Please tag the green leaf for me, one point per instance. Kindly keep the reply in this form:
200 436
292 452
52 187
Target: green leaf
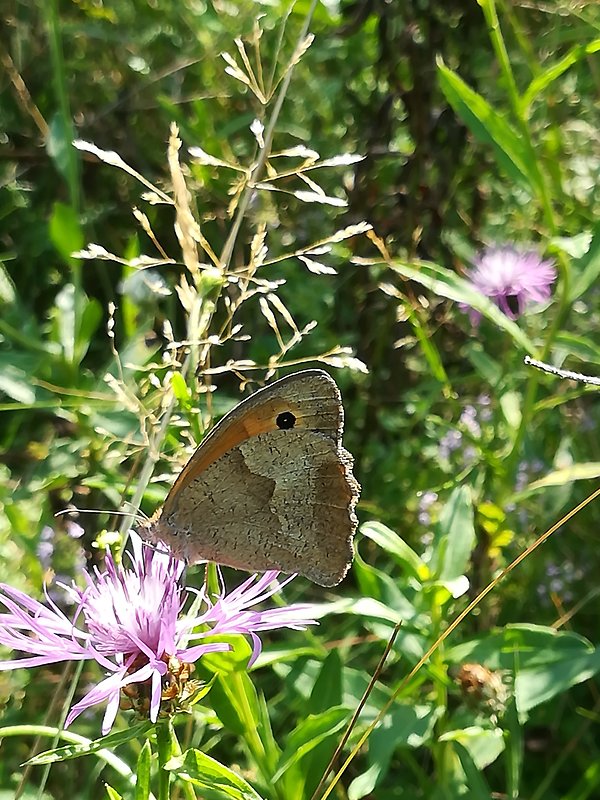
560 671
487 367
510 405
235 702
478 788
74 330
88 746
233 660
448 284
142 783
16 384
430 351
489 127
215 781
484 745
554 71
89 320
545 662
181 389
64 315
389 541
403 726
368 608
575 246
327 691
58 144
443 591
7 287
578 346
520 646
561 477
65 230
455 536
272 654
587 268
314 729
112 793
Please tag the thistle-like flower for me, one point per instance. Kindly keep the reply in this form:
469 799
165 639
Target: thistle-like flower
512 278
135 628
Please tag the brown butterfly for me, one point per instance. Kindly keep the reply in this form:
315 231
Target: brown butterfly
270 487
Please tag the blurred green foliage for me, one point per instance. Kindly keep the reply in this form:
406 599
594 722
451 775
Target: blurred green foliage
474 130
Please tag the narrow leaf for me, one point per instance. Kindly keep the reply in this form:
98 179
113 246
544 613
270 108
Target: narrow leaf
587 268
215 781
554 71
574 472
87 746
488 126
448 284
142 782
309 733
393 544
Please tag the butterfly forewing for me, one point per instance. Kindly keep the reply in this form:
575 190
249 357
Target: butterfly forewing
270 487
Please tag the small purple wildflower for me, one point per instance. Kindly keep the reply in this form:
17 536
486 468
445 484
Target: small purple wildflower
426 500
526 471
468 418
74 530
561 580
512 278
135 629
449 442
459 445
45 546
484 401
469 455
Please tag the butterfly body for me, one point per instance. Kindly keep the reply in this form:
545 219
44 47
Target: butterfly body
270 487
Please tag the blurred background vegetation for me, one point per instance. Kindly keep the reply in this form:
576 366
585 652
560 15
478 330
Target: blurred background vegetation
442 403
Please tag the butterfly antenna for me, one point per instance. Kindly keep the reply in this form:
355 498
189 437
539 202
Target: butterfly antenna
137 513
562 373
138 516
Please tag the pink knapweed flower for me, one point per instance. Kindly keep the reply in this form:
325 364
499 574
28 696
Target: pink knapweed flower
132 622
512 278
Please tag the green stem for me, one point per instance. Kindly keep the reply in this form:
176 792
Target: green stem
67 132
164 746
541 189
264 153
60 86
252 737
68 699
441 749
171 749
28 342
225 258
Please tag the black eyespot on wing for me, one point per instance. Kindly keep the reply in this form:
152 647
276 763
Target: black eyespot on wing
285 420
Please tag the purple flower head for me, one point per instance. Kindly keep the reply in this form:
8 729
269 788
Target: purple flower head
131 621
511 278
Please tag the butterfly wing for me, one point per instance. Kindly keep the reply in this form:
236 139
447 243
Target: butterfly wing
271 487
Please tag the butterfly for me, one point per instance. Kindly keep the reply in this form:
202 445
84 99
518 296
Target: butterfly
270 487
